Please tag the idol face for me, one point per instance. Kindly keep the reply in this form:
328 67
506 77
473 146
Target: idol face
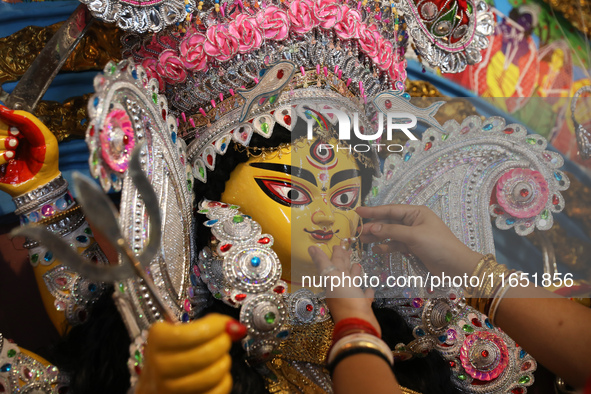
302 195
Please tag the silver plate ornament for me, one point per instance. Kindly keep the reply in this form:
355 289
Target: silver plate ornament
127 110
141 17
449 36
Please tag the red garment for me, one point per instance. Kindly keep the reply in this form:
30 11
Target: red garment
588 386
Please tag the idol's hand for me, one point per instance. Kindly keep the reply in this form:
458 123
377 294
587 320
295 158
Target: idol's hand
417 230
343 301
190 358
28 152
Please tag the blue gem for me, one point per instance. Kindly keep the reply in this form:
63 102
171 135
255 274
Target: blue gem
83 122
61 204
34 217
406 96
134 74
255 261
557 176
420 332
211 222
92 287
6 368
407 156
82 239
488 324
308 115
442 338
510 221
487 127
522 353
194 280
48 256
25 219
283 334
223 147
96 101
113 178
185 317
173 137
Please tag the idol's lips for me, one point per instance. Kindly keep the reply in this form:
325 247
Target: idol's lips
321 235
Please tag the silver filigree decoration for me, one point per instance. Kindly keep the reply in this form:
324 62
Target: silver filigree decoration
582 134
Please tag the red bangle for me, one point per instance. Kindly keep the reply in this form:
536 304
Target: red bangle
351 325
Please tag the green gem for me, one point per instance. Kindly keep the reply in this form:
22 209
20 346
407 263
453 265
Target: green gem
524 380
444 137
138 356
155 98
203 210
374 191
270 317
265 127
113 68
462 376
34 258
122 287
189 184
531 141
272 99
217 296
88 231
234 207
11 353
468 328
202 172
448 316
238 219
95 158
544 214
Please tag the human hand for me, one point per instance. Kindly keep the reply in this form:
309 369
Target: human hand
28 152
190 358
344 301
418 230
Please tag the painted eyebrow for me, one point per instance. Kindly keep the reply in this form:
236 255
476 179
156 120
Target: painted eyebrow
287 169
343 176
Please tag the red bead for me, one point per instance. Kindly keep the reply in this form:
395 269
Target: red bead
498 211
476 322
279 290
163 114
524 192
484 353
280 74
138 370
213 204
61 281
517 390
224 206
388 104
526 365
555 200
91 132
452 364
508 130
126 139
428 145
452 296
287 120
309 307
210 159
225 247
264 240
240 297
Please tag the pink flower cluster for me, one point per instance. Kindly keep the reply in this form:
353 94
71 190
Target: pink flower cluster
245 34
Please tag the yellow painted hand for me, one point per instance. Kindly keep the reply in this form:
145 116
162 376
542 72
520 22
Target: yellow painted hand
28 152
190 358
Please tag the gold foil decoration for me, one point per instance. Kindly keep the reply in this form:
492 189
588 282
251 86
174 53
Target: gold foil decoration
577 12
65 120
100 44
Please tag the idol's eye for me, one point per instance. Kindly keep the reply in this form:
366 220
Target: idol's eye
284 192
345 198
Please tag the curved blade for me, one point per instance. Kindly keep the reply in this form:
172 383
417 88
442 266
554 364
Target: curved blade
70 257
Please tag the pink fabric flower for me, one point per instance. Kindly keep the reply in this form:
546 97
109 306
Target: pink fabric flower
384 57
301 16
248 32
170 67
328 13
523 193
220 44
274 23
192 52
150 66
368 39
348 26
398 70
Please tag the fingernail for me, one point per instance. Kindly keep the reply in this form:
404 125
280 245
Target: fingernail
9 154
312 251
14 130
376 228
11 142
235 330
